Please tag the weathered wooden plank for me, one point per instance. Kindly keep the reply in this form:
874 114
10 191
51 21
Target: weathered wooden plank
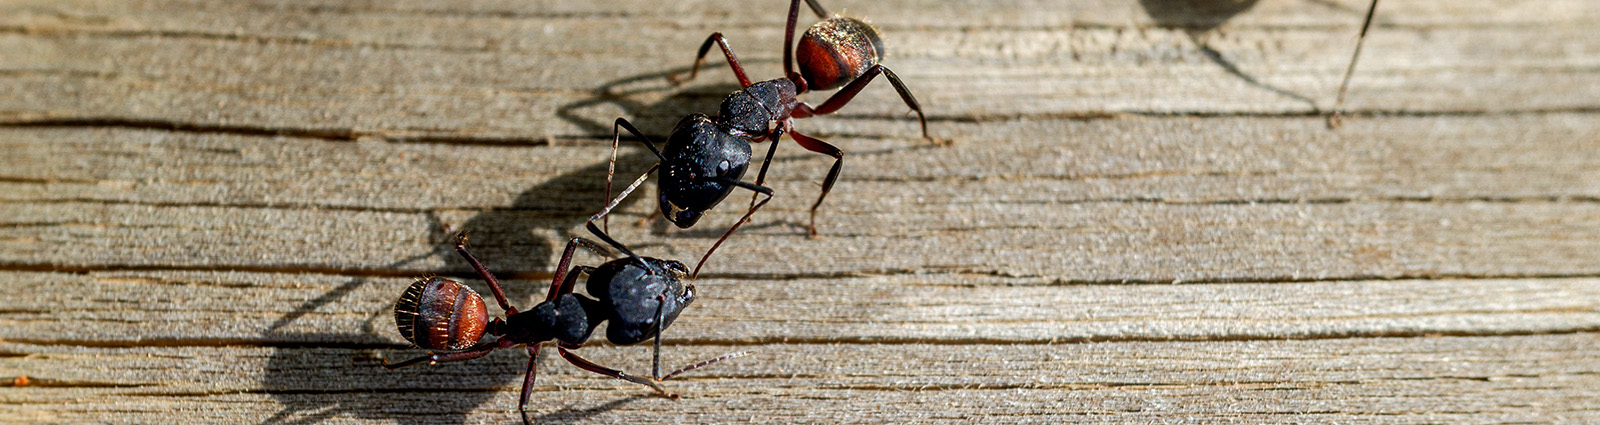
306 77
122 308
168 258
1093 242
1169 159
1128 201
1412 380
198 16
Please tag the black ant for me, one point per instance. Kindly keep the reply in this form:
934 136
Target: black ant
706 156
1337 118
641 296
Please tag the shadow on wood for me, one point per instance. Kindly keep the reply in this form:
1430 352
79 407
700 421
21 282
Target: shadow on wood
510 240
1198 18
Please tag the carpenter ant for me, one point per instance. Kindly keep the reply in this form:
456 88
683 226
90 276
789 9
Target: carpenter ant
641 296
1337 118
706 156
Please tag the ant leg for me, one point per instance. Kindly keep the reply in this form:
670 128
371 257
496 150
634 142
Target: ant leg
473 352
849 92
560 284
625 192
527 381
564 281
821 147
613 242
494 284
761 177
821 13
661 317
655 369
1337 119
788 35
607 211
733 61
760 190
585 364
616 138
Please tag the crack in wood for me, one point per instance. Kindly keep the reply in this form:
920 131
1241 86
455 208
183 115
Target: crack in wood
928 271
846 340
232 37
347 134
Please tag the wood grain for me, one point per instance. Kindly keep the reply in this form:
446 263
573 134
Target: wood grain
207 209
1483 380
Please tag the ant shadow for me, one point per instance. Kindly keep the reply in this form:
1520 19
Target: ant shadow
323 375
1198 19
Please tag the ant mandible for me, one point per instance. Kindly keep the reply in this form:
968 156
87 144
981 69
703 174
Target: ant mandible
705 157
641 296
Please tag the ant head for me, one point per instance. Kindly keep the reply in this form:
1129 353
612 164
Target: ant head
702 161
640 295
440 314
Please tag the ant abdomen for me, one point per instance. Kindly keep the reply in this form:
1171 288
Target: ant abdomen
836 51
440 314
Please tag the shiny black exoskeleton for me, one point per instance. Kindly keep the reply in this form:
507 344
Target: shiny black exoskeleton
706 156
640 296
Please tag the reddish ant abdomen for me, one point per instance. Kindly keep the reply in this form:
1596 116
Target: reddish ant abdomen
836 51
441 314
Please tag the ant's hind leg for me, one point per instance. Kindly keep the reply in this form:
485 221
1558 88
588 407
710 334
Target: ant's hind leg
733 61
474 352
788 33
846 94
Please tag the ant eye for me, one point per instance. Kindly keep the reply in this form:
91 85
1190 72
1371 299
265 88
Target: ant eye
722 168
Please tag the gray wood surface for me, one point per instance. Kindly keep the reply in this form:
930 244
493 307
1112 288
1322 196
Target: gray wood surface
207 210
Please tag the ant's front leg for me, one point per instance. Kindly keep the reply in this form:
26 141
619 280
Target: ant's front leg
759 190
611 168
655 370
773 136
585 364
